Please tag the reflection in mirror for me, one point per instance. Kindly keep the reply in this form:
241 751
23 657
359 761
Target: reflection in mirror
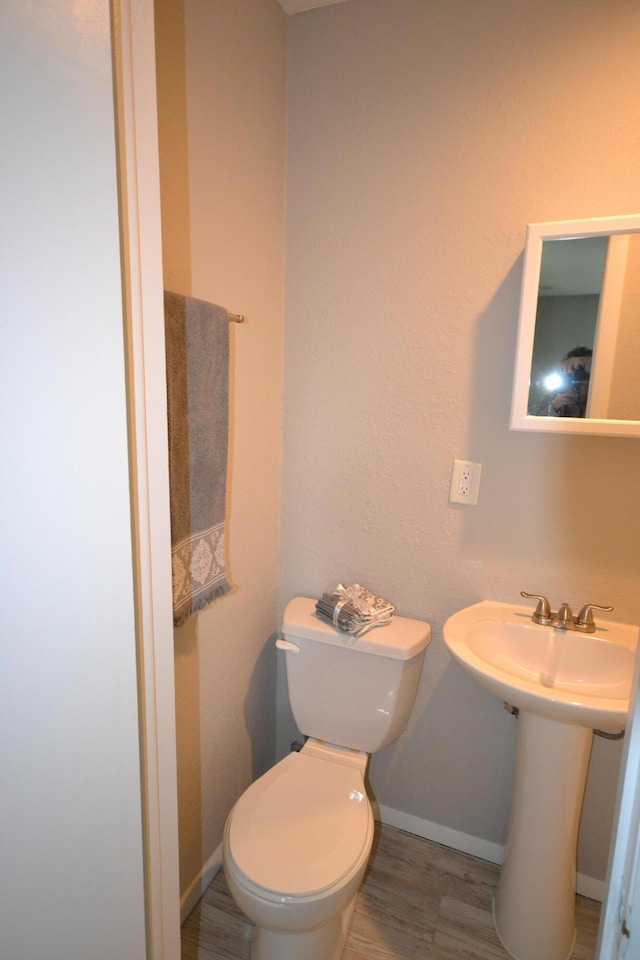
571 274
579 338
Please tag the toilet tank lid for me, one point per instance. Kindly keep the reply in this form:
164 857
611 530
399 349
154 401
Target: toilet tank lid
401 639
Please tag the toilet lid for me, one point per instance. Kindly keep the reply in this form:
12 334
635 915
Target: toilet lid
302 826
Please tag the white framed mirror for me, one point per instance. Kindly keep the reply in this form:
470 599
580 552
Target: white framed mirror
578 353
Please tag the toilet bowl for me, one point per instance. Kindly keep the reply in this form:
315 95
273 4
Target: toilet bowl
297 842
296 846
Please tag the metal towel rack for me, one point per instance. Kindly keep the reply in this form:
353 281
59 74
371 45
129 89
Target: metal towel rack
236 317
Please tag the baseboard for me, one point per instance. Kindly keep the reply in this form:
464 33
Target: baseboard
466 843
196 889
591 888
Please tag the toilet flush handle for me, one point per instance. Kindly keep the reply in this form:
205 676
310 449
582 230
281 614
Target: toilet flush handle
287 645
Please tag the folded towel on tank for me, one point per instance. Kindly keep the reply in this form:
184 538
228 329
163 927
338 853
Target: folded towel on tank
354 609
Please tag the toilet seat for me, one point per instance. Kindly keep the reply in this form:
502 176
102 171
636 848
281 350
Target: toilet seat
301 828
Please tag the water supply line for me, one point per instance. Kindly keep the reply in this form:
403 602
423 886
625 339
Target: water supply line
515 712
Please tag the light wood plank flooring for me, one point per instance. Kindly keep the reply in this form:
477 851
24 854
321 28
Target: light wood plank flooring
419 901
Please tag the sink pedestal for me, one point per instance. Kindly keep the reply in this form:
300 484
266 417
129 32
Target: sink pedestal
564 684
534 907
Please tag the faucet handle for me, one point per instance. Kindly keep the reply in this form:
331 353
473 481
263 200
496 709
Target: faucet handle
542 613
564 616
585 617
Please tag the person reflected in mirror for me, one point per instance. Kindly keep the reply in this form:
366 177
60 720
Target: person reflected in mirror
570 400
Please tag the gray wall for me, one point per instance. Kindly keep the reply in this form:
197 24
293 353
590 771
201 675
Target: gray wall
423 137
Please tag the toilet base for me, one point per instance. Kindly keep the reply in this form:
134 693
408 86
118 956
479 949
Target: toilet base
324 943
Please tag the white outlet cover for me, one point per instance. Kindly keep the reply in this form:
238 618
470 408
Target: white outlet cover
459 490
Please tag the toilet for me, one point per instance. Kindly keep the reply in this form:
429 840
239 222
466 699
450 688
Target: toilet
297 842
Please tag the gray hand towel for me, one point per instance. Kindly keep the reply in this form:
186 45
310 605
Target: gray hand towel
197 353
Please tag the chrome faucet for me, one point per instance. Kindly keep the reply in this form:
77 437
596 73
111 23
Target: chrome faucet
542 613
563 618
584 622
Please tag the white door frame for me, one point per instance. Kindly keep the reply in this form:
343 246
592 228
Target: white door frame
136 101
619 933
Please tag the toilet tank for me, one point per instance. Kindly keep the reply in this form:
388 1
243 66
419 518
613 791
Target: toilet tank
351 691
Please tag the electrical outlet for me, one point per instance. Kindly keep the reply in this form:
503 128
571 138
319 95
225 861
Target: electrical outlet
465 482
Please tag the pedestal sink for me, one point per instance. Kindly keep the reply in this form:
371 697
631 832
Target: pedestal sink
565 684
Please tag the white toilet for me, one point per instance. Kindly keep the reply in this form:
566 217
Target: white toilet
297 842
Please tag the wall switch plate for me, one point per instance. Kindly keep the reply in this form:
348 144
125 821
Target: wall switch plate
465 482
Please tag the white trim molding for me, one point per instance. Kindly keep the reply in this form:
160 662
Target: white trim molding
139 181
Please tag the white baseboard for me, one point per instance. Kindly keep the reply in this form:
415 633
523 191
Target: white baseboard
465 843
590 887
196 889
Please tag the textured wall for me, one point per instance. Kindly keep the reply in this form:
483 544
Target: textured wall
423 137
222 99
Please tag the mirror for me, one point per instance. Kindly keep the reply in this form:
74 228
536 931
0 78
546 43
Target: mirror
578 354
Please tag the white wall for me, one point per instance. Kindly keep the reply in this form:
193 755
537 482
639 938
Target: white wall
222 113
423 137
71 847
625 396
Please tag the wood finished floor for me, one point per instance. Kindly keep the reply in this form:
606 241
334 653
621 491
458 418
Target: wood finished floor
419 901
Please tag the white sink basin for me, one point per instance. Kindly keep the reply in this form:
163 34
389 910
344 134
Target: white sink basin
559 674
